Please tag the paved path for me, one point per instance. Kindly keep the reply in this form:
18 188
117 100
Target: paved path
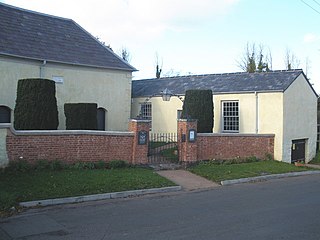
187 180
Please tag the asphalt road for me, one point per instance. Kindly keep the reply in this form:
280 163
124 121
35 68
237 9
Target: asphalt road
277 209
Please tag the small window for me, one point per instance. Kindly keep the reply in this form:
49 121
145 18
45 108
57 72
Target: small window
179 113
146 111
5 114
230 116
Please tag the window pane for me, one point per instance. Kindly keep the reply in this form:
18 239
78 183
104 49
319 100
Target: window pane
146 111
231 116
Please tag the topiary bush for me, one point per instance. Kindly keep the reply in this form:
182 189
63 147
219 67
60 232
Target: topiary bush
81 116
198 105
36 105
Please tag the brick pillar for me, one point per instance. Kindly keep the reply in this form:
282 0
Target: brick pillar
188 151
140 149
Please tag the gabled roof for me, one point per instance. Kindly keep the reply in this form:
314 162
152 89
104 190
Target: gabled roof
38 36
274 81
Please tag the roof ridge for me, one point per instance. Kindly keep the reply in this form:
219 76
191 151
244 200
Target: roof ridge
35 12
220 74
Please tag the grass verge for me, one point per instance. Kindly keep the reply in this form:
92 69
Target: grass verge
16 186
219 172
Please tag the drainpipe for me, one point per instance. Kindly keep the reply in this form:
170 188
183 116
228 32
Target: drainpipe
257 112
42 68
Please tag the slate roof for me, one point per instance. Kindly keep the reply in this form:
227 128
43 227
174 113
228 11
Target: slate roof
274 81
38 36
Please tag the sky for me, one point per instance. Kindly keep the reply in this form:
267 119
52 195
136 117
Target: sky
197 36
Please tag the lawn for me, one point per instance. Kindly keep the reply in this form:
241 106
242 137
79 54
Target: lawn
219 172
44 184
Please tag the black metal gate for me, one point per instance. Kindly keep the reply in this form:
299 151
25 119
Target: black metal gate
163 148
298 150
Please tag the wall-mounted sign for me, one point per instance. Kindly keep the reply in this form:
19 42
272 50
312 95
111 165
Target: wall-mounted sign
142 137
57 79
192 136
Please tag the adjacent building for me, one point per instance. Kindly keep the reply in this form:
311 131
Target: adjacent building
283 103
36 45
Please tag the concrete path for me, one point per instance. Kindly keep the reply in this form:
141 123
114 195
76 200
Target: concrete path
187 180
313 166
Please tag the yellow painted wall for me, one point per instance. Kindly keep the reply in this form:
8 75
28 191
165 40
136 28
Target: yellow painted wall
300 118
246 107
110 89
164 114
270 119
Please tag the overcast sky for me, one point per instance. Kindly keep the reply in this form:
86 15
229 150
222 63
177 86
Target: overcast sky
196 36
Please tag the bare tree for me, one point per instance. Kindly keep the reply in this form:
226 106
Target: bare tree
291 61
125 54
255 60
307 66
158 68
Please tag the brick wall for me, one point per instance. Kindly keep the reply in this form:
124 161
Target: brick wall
69 147
221 146
187 150
75 146
228 146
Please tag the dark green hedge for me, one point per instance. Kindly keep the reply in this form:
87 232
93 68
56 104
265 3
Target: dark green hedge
36 105
198 105
81 116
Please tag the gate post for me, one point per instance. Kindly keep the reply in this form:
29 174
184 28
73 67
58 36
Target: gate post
141 129
187 140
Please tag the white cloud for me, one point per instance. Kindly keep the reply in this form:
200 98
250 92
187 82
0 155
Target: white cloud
310 38
138 20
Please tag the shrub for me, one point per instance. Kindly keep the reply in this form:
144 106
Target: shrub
56 165
83 165
100 165
36 105
198 105
42 164
117 164
81 116
19 166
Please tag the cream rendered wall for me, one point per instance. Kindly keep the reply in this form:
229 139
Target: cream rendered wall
11 71
247 108
110 89
164 114
300 118
270 115
260 113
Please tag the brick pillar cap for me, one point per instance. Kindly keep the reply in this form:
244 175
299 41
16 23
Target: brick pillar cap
140 120
187 120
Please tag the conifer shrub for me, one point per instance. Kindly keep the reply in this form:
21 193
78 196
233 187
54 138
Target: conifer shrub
36 105
81 116
198 105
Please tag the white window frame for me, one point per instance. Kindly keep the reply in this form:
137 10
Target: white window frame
146 110
234 116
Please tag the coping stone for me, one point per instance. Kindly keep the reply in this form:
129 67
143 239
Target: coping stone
267 177
95 197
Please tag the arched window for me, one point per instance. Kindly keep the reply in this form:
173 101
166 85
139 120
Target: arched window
101 118
5 114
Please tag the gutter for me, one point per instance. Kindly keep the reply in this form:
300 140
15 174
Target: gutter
68 63
42 68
